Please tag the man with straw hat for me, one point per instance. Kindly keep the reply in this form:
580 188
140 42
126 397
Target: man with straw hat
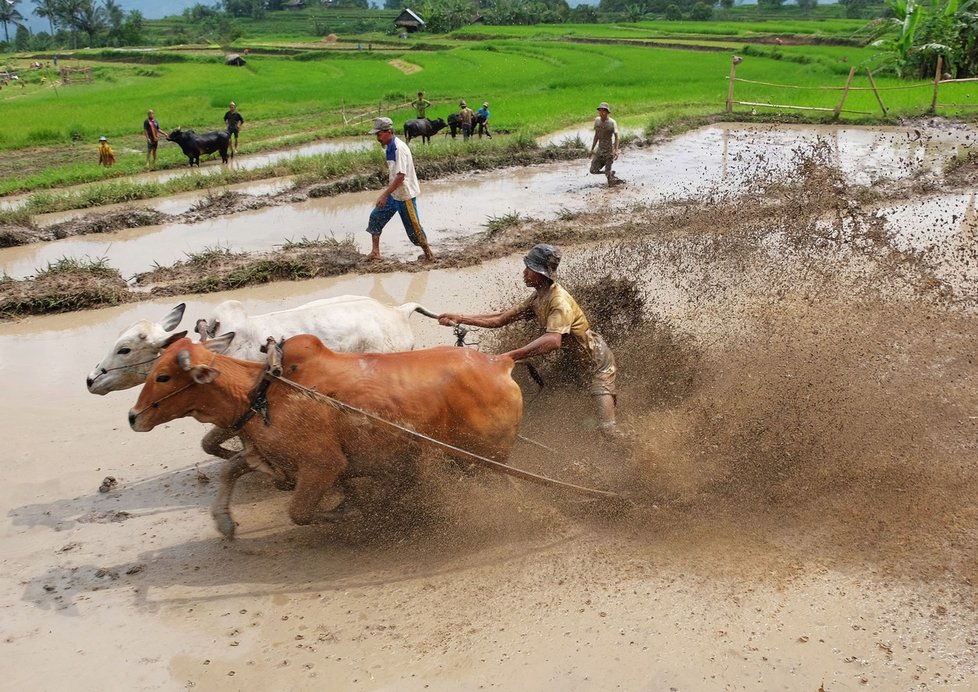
559 315
606 141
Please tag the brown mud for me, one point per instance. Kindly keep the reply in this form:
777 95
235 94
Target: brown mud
800 388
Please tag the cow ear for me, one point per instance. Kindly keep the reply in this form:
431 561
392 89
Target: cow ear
173 318
204 374
219 344
173 338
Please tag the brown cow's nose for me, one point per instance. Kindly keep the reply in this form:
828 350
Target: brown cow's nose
132 419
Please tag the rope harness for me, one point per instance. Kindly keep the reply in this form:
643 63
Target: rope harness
491 464
106 371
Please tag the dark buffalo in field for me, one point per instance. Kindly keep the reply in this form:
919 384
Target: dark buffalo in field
194 145
424 128
454 124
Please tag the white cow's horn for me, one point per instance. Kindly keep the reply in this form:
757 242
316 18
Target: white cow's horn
183 360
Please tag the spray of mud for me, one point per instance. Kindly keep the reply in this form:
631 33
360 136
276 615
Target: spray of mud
800 388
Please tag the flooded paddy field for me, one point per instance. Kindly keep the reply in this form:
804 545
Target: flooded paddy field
798 379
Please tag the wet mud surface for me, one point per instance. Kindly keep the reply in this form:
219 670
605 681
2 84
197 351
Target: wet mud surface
798 382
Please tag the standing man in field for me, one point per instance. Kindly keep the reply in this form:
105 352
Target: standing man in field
401 194
482 119
421 105
151 128
234 121
559 315
606 141
467 118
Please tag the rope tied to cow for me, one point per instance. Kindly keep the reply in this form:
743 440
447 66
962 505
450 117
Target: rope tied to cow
491 464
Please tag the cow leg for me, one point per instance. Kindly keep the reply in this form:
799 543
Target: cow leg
214 439
236 467
313 480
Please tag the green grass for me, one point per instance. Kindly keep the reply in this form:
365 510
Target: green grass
534 86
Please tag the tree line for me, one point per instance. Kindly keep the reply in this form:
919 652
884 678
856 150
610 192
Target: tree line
71 23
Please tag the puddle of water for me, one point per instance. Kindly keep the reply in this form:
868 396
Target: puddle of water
720 157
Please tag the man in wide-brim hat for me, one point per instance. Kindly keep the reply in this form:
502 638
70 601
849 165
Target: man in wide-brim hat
559 315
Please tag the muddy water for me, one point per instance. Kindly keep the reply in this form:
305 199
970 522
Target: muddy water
718 158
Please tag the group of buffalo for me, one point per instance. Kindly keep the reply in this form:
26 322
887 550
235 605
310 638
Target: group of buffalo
195 145
426 128
344 395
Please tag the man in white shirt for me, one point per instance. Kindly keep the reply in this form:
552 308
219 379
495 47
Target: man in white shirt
400 195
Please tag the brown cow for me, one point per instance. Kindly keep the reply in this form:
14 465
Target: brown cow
456 395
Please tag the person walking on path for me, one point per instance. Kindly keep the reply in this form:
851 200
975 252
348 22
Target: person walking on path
151 128
105 156
559 315
234 121
421 105
467 118
401 194
606 141
482 119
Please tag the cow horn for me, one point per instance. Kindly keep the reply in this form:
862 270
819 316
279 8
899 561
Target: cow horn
202 329
183 360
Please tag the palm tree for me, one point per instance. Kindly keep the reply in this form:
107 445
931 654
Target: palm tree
9 14
47 9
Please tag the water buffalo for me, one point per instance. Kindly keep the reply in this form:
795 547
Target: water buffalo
194 145
458 396
454 124
423 128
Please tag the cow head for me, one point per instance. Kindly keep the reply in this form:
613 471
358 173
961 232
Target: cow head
438 124
131 357
169 390
178 135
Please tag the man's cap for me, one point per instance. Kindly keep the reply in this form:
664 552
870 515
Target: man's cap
232 104
103 138
381 124
543 259
485 105
461 103
604 106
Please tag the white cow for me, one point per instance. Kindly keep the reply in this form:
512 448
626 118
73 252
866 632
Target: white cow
131 357
346 323
343 323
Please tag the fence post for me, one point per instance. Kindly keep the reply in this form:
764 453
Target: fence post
937 81
730 87
872 83
845 92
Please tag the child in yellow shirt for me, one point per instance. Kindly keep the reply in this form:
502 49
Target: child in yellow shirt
105 156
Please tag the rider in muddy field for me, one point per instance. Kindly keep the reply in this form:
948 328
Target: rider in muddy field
606 141
558 313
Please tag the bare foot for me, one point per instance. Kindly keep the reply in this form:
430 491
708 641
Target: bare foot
373 256
427 259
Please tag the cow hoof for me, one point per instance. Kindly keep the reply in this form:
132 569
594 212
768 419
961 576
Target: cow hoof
225 525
